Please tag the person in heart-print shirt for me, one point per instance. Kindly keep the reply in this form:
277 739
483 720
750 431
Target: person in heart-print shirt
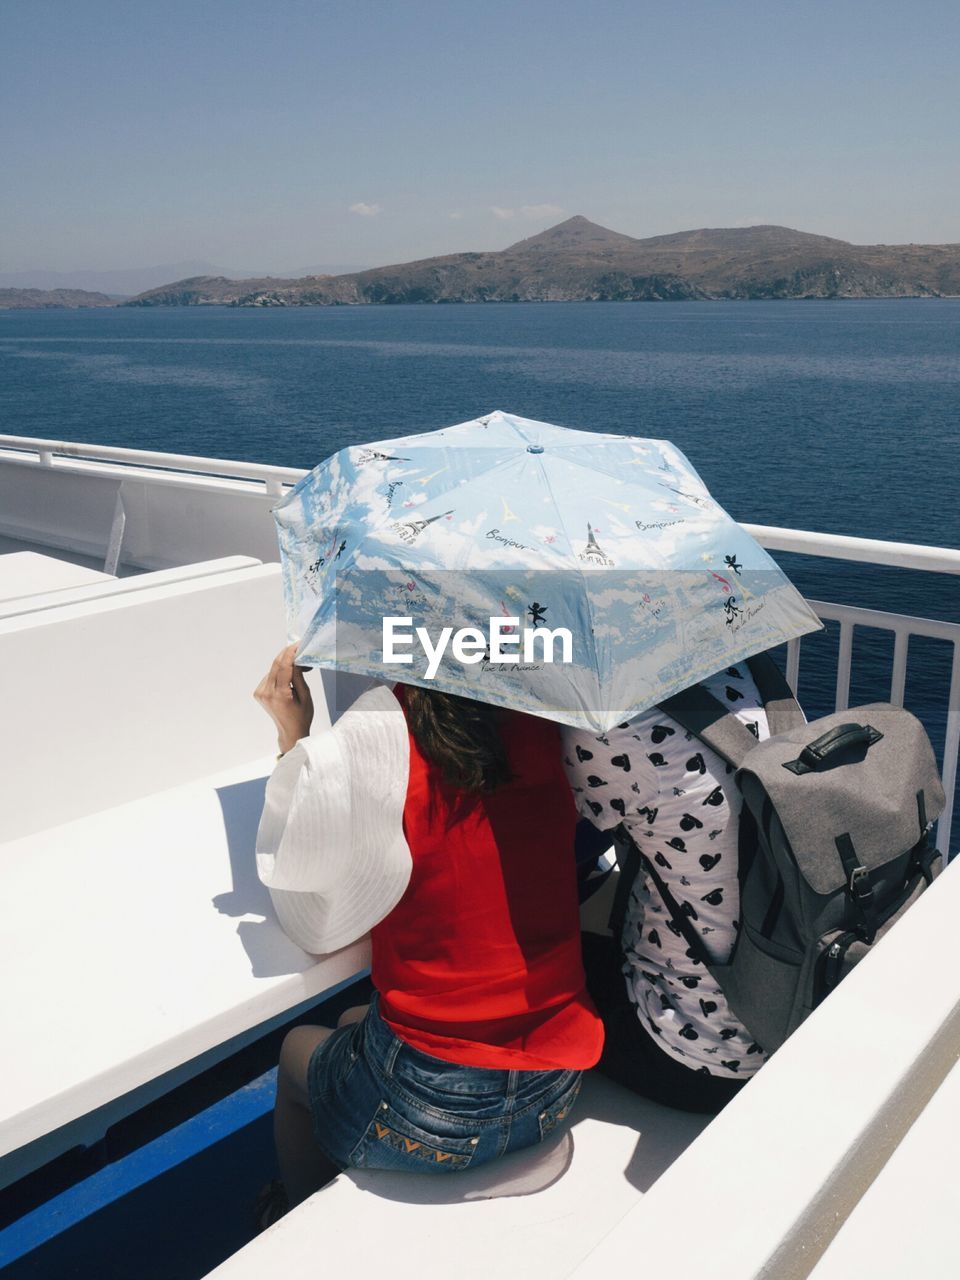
670 1032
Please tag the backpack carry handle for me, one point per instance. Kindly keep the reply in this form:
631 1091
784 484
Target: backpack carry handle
840 738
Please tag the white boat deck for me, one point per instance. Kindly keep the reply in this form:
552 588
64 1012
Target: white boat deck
834 1128
24 574
141 946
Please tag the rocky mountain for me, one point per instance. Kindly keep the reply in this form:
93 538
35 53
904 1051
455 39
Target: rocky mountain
579 261
34 299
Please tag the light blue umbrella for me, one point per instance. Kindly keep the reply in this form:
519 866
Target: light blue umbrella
612 538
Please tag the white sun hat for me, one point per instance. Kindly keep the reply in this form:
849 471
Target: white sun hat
330 847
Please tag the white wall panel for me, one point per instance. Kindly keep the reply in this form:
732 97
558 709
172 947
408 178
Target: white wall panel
106 701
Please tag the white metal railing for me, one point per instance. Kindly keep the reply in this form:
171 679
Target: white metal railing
905 555
836 546
903 627
805 542
273 478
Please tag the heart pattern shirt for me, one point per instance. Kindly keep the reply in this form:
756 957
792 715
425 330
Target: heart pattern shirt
679 802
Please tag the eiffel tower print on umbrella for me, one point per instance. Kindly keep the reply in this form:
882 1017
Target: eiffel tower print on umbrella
410 530
592 550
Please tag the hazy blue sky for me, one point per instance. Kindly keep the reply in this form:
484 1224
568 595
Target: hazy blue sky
275 135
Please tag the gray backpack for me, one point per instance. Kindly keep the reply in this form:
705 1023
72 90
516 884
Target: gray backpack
834 844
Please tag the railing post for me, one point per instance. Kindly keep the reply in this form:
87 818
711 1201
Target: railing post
843 666
904 629
274 487
793 664
46 457
898 678
115 541
951 749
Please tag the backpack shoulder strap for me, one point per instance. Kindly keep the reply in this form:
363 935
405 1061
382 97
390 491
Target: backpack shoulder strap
682 922
628 862
708 719
783 710
631 861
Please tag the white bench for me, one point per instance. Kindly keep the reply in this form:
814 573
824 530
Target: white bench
139 948
137 943
535 1213
760 1192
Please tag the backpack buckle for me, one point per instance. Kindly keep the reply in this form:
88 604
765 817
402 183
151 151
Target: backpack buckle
859 884
858 887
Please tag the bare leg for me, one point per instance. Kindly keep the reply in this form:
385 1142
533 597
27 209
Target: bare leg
356 1014
303 1166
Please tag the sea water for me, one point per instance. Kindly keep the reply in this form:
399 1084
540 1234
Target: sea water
835 416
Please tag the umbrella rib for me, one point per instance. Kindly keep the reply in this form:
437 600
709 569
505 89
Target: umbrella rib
614 475
579 568
480 471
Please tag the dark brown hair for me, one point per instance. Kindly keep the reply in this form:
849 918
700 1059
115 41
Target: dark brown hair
460 736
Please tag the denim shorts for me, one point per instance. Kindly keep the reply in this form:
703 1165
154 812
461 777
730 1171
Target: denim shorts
378 1103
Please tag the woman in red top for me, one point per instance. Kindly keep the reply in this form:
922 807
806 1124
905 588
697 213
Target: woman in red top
480 1025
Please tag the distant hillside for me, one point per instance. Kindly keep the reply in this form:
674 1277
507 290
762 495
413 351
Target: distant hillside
35 299
579 261
205 291
116 282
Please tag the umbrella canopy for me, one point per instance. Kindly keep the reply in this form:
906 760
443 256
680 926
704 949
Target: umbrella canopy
612 538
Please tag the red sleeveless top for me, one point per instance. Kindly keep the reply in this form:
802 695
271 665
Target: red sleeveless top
479 963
